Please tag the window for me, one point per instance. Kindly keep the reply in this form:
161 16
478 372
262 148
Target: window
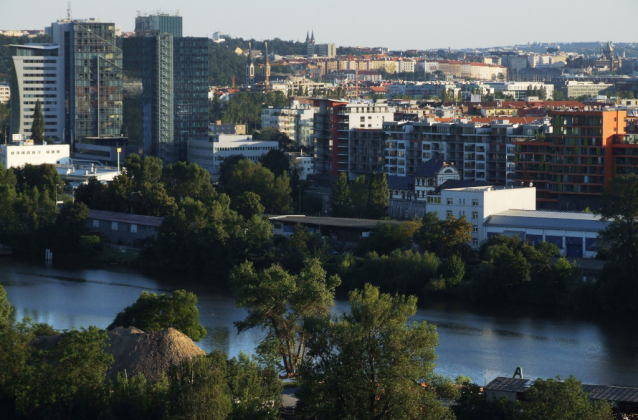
449 214
475 202
362 119
114 226
474 228
133 228
450 201
474 241
461 213
475 215
96 223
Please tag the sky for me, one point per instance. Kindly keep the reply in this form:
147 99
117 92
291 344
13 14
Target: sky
403 24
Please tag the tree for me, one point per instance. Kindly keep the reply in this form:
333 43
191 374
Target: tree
429 234
6 311
359 199
340 199
253 177
369 364
456 235
37 129
387 237
198 389
275 161
44 177
278 302
183 180
70 225
248 205
553 399
284 142
92 194
154 313
378 197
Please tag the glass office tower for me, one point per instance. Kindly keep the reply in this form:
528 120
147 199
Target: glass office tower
158 24
190 91
148 63
92 78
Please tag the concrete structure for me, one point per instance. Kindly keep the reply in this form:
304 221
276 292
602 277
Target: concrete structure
37 74
574 233
5 93
478 203
210 153
103 150
13 156
81 173
123 228
333 122
342 232
321 50
575 89
304 164
519 90
220 128
296 121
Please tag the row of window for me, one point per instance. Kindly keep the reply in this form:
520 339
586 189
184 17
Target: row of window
39 68
45 102
450 201
450 213
133 228
39 75
28 152
39 61
35 95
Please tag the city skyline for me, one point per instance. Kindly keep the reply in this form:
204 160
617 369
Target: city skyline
466 25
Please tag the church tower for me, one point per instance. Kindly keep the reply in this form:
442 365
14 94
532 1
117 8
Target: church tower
250 67
307 37
312 39
266 70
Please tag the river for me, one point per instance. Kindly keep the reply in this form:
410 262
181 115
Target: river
481 342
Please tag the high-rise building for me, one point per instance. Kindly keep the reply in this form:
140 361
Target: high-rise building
159 24
166 77
148 63
37 74
92 77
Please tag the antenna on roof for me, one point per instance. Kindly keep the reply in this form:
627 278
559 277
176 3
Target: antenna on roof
68 10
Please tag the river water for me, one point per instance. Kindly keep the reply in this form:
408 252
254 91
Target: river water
481 342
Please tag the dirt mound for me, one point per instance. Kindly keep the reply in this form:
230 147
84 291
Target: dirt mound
150 353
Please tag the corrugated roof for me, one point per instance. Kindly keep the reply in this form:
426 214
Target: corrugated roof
333 221
111 216
542 219
612 393
502 383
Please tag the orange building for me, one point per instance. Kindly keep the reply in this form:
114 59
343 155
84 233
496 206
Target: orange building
572 167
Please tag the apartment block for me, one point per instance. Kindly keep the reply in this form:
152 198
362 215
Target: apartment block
296 121
5 92
332 125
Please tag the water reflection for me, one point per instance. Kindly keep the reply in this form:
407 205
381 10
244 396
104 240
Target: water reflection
481 342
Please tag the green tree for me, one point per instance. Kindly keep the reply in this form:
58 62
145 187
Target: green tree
278 302
70 225
154 313
92 194
553 399
358 193
276 161
248 205
44 177
253 177
378 197
183 180
369 364
387 237
37 129
455 238
429 234
198 389
340 198
6 311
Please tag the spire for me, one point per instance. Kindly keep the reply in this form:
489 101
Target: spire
312 40
307 37
250 67
266 70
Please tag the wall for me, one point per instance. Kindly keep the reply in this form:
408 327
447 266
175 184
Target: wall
17 156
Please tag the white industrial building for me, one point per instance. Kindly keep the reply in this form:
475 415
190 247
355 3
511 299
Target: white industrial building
478 203
210 153
16 156
39 72
575 234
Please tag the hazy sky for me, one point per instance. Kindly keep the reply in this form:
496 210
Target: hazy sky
403 24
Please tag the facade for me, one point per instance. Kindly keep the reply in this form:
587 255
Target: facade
334 120
431 175
366 151
5 92
190 91
104 150
574 233
148 62
37 74
573 165
296 121
210 153
476 204
220 128
18 156
161 23
122 228
575 89
321 50
519 90
304 164
92 77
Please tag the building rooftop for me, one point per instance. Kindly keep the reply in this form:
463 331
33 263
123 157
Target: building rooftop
429 168
333 221
111 216
543 219
509 384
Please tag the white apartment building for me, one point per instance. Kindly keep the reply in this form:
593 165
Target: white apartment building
210 153
16 156
296 121
304 164
405 66
477 204
518 90
5 92
39 76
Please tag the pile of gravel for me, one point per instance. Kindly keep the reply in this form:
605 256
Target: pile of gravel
136 351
